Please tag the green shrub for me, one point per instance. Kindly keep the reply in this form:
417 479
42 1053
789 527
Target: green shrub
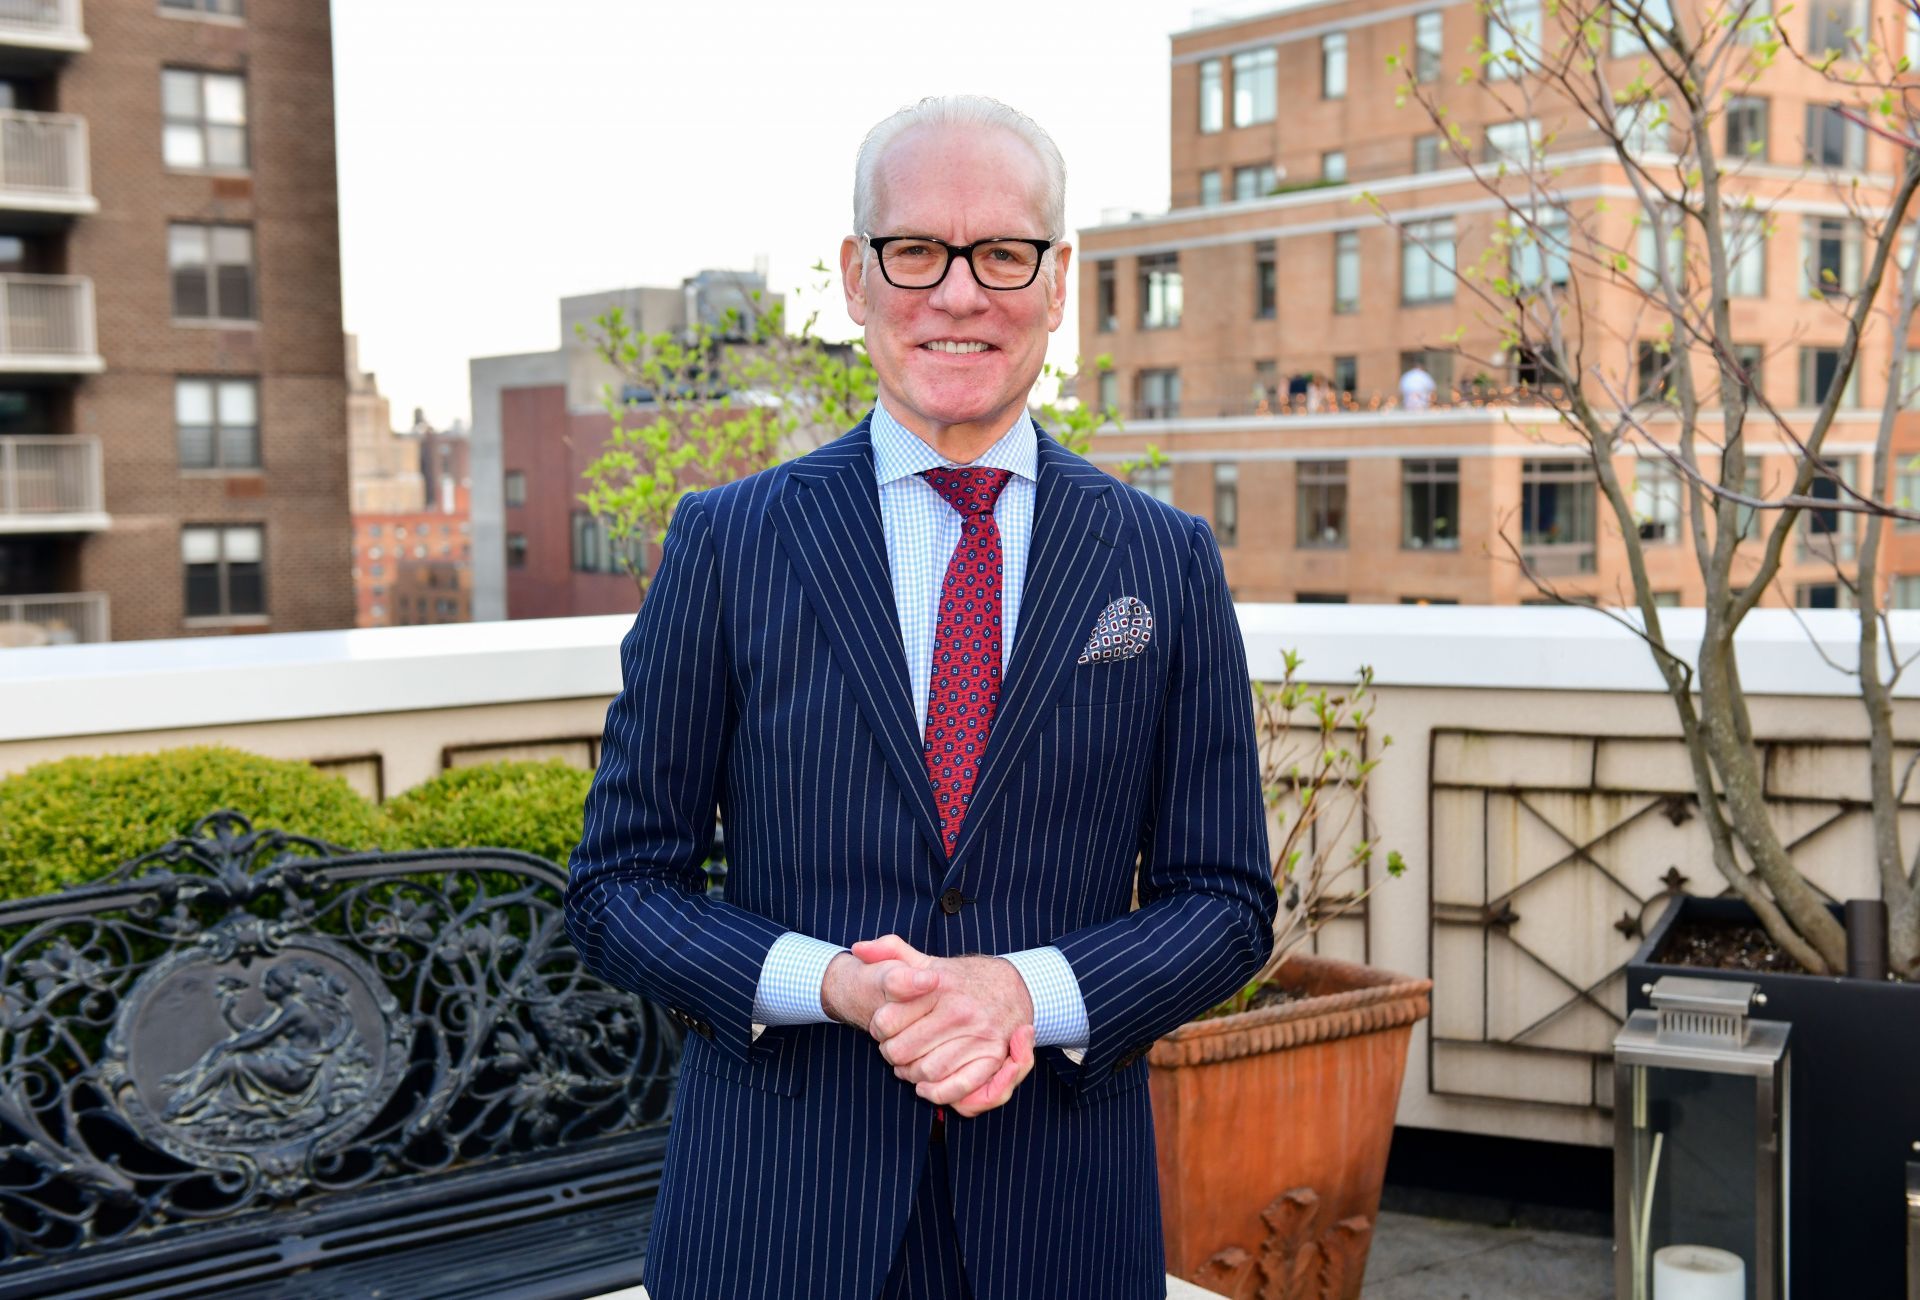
534 807
73 820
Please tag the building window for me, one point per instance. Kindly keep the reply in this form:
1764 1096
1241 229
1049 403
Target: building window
1346 272
1160 291
1746 118
225 573
1438 363
1557 511
1253 182
1653 15
212 269
1430 504
596 551
205 116
1904 592
1106 308
217 423
1226 502
1833 140
1642 126
1748 359
1426 46
1212 97
224 8
1823 595
1426 153
516 487
1745 233
1906 495
1650 360
1835 25
1266 386
1266 280
1650 273
1426 261
1657 500
1536 366
1829 257
1346 375
1109 392
1155 480
1210 188
1321 501
1829 534
1158 397
1513 36
1254 86
1819 369
1513 144
1333 65
516 550
1333 165
1540 250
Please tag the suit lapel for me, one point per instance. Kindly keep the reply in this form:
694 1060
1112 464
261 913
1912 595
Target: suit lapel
1076 532
828 519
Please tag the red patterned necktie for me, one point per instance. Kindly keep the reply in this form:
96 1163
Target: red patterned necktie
965 684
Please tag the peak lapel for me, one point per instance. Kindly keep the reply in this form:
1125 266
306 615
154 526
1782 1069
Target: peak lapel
828 519
1076 532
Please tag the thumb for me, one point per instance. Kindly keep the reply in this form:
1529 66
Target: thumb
890 947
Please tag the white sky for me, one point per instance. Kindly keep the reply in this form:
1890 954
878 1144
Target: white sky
496 156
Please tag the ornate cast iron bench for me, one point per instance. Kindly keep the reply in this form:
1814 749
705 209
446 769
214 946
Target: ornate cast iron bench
250 1064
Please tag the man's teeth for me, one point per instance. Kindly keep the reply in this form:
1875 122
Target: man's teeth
943 346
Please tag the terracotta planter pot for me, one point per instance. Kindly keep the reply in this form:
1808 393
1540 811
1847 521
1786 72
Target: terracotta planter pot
1273 1128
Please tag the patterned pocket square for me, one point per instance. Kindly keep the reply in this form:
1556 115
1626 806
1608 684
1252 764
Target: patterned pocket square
1121 632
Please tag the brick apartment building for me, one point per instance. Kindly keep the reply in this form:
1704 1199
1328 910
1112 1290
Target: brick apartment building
539 420
172 387
1266 270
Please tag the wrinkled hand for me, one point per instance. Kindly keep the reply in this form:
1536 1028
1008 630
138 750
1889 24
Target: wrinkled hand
852 990
966 1041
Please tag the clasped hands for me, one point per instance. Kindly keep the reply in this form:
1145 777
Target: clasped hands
959 1029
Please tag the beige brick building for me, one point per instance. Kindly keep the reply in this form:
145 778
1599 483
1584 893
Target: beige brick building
1270 268
172 374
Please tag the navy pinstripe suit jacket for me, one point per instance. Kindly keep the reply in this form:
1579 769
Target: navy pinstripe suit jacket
765 674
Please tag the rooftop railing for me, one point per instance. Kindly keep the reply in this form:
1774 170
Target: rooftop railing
50 483
43 160
46 324
75 618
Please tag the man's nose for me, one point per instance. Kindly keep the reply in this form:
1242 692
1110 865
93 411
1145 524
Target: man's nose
960 293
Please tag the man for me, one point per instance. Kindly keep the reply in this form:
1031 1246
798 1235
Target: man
954 690
1416 388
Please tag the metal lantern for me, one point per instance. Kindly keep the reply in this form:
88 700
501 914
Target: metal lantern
1700 1146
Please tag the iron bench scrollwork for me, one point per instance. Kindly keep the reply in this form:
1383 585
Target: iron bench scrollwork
252 1064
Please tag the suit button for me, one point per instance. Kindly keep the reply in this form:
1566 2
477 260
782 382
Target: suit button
702 1028
950 902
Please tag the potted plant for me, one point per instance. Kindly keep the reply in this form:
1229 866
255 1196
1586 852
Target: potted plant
1683 419
1273 1112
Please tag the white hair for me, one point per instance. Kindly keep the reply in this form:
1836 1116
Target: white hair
960 111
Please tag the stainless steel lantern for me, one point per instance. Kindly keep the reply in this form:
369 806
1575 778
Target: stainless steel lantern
1700 1146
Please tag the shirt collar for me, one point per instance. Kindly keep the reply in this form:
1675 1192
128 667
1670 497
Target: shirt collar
899 452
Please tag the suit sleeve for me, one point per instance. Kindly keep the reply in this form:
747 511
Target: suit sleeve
636 904
1207 900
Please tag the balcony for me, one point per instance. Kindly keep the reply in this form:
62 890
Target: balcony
43 164
71 619
51 485
46 325
36 31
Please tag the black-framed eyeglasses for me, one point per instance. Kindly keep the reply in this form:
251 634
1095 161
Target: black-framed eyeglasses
920 262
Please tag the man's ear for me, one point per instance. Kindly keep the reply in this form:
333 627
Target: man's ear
853 277
1057 295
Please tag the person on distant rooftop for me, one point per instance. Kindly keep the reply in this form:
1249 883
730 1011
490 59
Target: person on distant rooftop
1416 388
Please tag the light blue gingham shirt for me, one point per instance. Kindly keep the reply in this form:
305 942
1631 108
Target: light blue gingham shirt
922 531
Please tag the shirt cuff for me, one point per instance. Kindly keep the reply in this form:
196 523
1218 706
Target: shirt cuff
789 988
1059 1012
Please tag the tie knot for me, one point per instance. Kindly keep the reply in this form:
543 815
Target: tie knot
970 491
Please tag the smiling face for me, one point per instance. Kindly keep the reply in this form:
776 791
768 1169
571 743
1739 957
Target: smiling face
957 361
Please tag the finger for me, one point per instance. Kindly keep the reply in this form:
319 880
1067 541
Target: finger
949 1018
997 1090
900 981
947 1091
948 1057
892 1017
890 947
